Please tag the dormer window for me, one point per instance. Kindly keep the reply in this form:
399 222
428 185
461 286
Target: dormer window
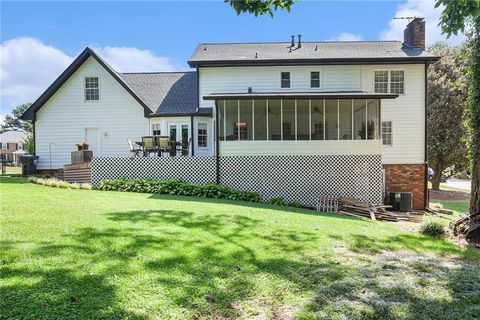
285 80
92 89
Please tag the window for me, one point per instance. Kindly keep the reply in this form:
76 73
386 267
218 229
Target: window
156 129
92 89
285 80
315 79
298 119
387 133
19 146
260 116
245 123
397 81
381 82
202 135
4 145
389 82
288 119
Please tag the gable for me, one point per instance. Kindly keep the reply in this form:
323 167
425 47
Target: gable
102 67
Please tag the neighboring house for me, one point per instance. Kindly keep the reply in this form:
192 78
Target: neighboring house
12 146
256 99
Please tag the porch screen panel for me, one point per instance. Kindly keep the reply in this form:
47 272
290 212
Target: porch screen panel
359 118
288 119
331 119
303 119
221 119
260 118
231 120
274 119
245 125
317 120
373 117
345 117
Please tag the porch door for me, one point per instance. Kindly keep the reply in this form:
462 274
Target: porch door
92 135
179 132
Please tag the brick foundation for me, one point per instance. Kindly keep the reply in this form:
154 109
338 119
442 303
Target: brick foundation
407 178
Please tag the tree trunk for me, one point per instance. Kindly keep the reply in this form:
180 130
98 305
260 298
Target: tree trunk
475 118
437 176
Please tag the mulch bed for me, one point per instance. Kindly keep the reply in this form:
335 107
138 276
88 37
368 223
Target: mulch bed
449 195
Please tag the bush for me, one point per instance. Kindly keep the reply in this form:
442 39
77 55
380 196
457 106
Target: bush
53 182
295 204
180 188
433 229
278 201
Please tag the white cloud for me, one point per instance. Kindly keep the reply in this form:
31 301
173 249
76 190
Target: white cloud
28 67
425 9
127 59
345 36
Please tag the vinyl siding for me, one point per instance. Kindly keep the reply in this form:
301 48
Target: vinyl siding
328 147
406 112
62 121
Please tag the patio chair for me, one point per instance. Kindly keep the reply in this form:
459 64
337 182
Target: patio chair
133 150
184 149
148 145
163 144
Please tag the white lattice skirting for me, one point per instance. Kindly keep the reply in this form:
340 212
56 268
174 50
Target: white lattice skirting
299 178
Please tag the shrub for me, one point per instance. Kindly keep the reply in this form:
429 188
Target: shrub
278 201
432 228
180 188
53 182
295 204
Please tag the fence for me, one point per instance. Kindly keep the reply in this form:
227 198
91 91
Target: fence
296 178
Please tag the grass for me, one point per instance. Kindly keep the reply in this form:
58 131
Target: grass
13 170
94 254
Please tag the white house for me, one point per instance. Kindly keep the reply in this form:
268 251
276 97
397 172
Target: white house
253 99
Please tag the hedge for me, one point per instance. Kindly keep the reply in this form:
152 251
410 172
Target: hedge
180 188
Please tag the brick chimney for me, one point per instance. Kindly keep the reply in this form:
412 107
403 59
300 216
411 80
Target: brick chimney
414 34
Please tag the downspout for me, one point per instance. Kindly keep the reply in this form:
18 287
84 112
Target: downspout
217 145
426 198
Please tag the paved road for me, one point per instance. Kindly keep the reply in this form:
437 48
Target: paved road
458 184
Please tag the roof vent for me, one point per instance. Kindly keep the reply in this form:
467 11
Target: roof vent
299 41
292 44
256 55
249 90
204 48
316 47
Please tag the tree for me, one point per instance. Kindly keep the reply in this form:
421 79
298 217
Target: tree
28 143
260 7
14 123
447 92
456 15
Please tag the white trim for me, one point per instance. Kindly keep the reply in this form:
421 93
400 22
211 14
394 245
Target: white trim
389 80
290 80
320 79
391 133
207 135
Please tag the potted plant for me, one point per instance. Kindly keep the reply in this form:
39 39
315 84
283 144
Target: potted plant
79 146
85 145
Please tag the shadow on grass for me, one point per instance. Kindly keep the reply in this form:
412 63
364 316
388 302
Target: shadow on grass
217 266
12 179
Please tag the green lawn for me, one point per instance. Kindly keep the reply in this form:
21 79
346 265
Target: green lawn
13 170
91 254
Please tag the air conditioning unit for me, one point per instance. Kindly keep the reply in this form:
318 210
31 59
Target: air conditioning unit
401 201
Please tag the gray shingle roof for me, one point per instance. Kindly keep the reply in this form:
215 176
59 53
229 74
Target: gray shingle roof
251 53
165 92
13 136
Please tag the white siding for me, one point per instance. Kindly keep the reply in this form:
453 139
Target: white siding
62 121
325 147
406 112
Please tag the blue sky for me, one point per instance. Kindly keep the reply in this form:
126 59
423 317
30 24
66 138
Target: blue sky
39 39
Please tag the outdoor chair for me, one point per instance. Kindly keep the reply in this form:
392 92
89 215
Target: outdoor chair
163 144
184 149
135 151
148 145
